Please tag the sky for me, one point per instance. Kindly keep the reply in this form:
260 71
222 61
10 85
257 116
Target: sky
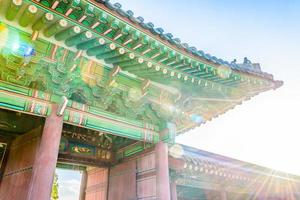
68 184
264 130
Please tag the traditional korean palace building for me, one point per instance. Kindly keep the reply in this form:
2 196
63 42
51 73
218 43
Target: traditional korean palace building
85 85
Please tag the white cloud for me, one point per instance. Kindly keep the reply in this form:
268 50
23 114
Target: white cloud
68 184
69 189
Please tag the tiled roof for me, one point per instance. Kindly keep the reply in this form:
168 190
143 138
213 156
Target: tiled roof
190 155
158 31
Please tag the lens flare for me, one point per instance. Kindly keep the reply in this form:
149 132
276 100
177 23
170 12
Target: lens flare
29 51
10 43
2 27
3 35
15 46
176 151
135 94
197 119
224 71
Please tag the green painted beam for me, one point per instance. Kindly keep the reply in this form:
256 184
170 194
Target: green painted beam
22 101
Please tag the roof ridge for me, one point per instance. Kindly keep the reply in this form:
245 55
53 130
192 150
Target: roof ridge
176 42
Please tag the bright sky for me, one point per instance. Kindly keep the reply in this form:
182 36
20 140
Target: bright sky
68 184
264 130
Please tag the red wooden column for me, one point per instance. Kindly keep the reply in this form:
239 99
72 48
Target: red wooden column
162 171
83 185
223 195
46 158
173 191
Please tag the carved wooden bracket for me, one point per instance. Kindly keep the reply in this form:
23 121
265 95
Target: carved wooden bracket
112 75
62 106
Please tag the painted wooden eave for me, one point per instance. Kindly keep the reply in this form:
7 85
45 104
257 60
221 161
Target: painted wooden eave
201 78
195 61
33 102
193 159
193 167
168 39
235 103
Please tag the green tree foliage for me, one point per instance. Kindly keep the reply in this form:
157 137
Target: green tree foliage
54 193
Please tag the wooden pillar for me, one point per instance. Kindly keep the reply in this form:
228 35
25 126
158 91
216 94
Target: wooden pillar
162 171
223 195
18 170
173 191
45 162
83 185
